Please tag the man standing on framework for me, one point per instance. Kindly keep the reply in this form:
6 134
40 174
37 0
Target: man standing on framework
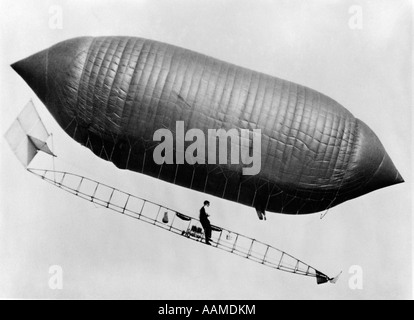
205 222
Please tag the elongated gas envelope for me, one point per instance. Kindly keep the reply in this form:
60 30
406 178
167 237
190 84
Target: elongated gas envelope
111 94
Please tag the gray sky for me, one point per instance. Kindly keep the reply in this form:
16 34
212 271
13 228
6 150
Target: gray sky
105 255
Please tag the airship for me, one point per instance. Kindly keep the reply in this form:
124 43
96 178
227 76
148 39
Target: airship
113 95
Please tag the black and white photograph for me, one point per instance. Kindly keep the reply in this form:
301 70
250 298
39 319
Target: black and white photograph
213 150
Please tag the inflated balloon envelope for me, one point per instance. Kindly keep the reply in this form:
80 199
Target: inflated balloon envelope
111 94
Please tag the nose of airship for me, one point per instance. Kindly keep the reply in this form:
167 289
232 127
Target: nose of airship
372 162
50 71
33 70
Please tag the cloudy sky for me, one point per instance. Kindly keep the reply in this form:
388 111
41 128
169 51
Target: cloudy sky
357 52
